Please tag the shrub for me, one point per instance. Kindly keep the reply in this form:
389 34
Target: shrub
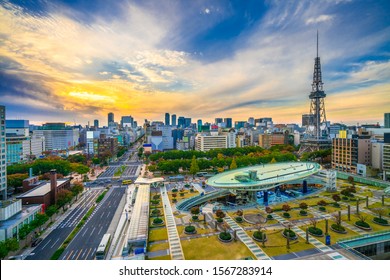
174 190
156 196
156 212
345 198
303 205
155 202
189 229
269 217
380 221
181 194
219 220
303 212
286 215
338 227
239 219
322 208
290 232
322 203
195 218
315 231
225 236
157 221
362 224
259 235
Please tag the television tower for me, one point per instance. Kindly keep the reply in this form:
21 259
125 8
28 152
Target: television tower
317 134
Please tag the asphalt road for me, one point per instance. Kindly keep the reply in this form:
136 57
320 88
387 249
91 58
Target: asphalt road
85 243
53 241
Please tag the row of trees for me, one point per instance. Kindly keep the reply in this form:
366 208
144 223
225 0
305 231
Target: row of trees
229 152
220 161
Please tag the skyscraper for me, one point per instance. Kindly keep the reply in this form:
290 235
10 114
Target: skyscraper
96 123
173 119
181 122
110 118
199 125
218 120
187 122
167 118
387 120
228 122
3 171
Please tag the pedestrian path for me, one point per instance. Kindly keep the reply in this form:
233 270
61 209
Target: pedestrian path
244 237
173 236
318 244
320 214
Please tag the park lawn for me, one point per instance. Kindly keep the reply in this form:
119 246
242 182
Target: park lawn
334 236
158 247
180 216
375 227
296 216
151 222
199 230
159 204
332 209
167 257
276 243
379 205
314 201
292 204
158 234
364 193
210 248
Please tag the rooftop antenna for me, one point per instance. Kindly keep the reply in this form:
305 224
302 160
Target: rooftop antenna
317 42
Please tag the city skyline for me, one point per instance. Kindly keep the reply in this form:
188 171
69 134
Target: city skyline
204 59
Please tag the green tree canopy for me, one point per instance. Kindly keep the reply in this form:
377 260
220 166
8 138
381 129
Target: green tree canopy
194 166
16 180
233 165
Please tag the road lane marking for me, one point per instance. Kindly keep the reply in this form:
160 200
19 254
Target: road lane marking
88 253
79 254
70 255
92 231
46 244
99 231
55 243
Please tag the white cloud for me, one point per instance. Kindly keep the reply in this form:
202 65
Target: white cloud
320 18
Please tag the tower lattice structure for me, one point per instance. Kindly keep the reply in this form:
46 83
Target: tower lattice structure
317 134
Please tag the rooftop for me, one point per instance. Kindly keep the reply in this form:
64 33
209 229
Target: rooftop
14 220
41 189
263 175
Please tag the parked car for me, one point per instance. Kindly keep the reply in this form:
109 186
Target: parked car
36 242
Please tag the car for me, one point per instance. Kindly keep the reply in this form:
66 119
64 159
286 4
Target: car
36 242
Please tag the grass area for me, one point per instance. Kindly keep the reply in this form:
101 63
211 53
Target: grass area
180 230
375 227
167 257
210 248
119 171
379 205
295 215
100 197
151 225
158 247
334 236
158 234
276 243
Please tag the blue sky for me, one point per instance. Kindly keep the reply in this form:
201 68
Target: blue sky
78 60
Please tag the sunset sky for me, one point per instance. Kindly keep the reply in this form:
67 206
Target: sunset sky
75 61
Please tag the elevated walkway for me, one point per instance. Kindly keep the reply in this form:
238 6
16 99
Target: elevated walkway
187 204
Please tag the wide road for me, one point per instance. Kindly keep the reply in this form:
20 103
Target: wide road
85 243
53 241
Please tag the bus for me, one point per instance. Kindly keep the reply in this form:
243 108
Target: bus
127 182
201 174
103 247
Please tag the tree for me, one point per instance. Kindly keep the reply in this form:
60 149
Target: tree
336 199
12 244
174 195
64 197
40 220
16 180
286 207
51 210
240 213
379 211
233 165
351 180
273 160
269 210
77 189
3 250
220 214
79 168
194 166
195 211
24 231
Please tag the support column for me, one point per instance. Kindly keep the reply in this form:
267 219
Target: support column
383 200
357 206
326 226
304 186
349 212
265 197
367 202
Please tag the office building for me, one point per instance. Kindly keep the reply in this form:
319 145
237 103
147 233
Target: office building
110 118
187 122
107 146
276 138
96 124
156 139
228 122
199 125
205 143
58 136
127 121
218 121
181 122
387 120
239 124
251 121
174 120
167 139
167 118
3 167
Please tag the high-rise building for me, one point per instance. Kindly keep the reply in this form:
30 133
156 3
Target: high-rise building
96 123
58 136
205 143
199 125
127 121
228 122
110 118
3 156
251 121
187 122
387 120
181 122
276 138
345 154
239 124
174 120
167 119
218 121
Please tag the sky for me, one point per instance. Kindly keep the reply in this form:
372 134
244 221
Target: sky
75 61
